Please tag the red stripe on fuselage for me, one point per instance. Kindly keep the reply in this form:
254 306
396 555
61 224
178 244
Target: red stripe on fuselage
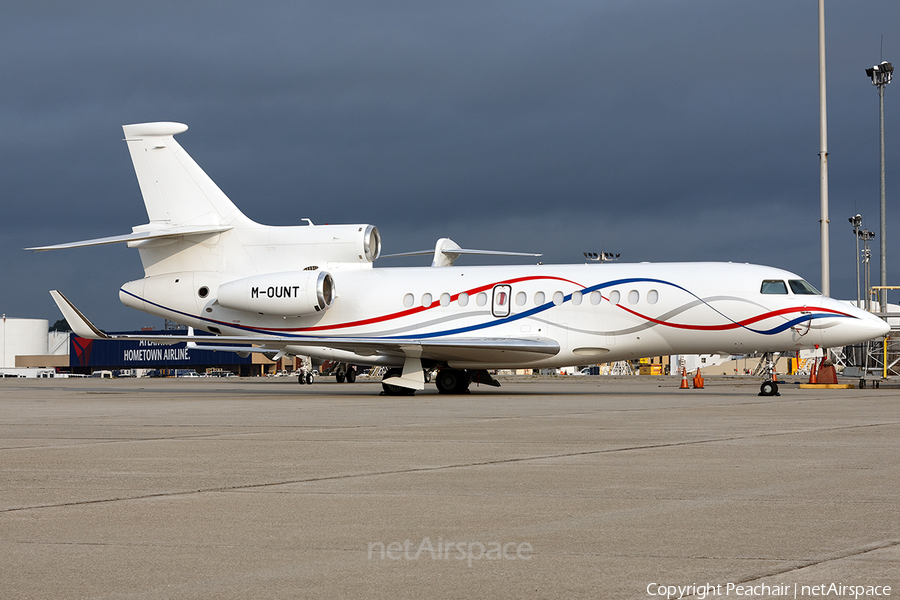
418 309
733 324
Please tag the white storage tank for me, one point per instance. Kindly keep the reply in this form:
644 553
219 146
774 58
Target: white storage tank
22 337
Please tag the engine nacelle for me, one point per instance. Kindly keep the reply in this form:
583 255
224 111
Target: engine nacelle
291 294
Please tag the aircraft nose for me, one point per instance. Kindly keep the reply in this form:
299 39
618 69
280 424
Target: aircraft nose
863 327
876 325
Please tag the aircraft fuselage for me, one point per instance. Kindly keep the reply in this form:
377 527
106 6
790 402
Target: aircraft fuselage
595 313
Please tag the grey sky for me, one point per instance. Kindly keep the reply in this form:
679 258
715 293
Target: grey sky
660 130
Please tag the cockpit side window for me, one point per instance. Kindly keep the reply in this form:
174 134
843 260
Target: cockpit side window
802 288
773 286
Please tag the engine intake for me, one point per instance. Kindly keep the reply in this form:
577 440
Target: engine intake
291 294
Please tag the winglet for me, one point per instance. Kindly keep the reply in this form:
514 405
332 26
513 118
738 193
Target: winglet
77 321
412 377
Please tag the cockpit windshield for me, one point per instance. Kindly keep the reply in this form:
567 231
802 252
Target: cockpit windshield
773 286
799 287
802 288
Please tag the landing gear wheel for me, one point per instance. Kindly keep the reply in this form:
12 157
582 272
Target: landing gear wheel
301 379
452 381
395 390
309 378
339 377
769 388
351 375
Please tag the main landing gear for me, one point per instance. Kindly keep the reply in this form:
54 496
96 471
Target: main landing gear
452 381
447 381
342 372
349 375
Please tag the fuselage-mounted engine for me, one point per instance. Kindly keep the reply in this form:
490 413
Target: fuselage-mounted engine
290 294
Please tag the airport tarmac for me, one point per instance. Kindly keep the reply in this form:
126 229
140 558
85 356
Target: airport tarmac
579 487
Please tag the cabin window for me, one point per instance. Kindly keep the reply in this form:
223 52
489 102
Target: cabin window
576 298
634 297
539 298
463 299
558 298
445 299
596 297
426 300
409 300
481 299
773 286
521 299
652 297
802 288
500 306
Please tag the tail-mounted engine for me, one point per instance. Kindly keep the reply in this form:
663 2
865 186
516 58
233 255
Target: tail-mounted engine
291 294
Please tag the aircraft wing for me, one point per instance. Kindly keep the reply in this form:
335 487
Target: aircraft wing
480 349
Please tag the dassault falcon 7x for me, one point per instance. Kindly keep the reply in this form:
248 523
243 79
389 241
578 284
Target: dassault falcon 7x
311 290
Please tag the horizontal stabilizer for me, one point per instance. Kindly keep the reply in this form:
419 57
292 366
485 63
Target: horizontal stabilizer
446 251
139 236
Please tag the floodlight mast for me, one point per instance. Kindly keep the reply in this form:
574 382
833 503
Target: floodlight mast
856 222
867 236
881 75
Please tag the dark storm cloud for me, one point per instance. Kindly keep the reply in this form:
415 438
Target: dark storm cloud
661 130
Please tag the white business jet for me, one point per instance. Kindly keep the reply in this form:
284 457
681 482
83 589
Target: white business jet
311 290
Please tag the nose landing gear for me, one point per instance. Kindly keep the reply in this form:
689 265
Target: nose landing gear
769 388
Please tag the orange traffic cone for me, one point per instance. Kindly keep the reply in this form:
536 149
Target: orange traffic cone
684 383
812 372
698 380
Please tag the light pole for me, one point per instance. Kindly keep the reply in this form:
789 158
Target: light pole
881 75
823 158
856 222
866 236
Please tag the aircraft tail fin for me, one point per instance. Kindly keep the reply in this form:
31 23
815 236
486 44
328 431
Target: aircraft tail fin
176 190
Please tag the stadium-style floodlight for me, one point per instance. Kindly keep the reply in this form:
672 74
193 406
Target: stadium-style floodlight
601 256
881 75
